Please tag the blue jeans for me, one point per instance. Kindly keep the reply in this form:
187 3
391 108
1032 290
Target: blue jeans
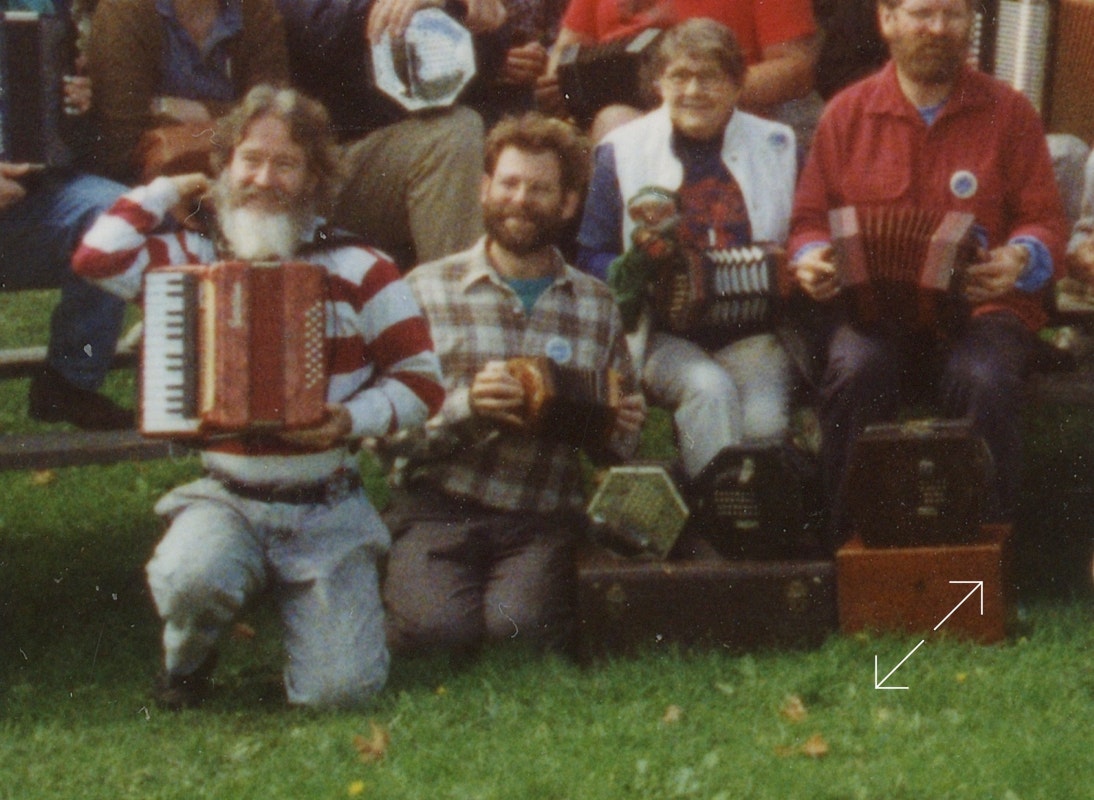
37 238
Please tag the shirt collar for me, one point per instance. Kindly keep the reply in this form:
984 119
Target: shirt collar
890 99
229 20
482 270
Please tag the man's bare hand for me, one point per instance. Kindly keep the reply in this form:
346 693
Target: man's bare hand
180 109
11 191
996 274
393 16
193 188
816 273
1080 261
330 432
496 394
484 16
525 64
631 415
549 97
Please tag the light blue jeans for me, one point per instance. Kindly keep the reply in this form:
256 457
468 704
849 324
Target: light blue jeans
321 562
37 238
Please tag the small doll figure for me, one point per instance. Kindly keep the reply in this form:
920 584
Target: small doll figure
654 246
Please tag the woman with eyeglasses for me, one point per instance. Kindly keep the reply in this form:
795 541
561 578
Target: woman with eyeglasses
692 181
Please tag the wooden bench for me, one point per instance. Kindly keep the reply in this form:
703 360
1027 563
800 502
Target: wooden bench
68 448
1074 386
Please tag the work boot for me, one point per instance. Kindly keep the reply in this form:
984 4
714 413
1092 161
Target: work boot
53 399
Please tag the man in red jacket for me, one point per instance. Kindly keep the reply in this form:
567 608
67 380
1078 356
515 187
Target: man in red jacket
929 132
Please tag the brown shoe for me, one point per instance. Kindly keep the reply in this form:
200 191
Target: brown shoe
179 692
53 399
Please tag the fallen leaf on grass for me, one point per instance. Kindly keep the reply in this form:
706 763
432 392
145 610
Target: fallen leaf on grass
373 748
355 789
672 715
793 708
42 477
814 747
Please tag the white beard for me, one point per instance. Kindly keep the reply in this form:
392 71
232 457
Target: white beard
257 235
254 235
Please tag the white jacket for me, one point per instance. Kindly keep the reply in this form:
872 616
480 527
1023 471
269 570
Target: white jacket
760 154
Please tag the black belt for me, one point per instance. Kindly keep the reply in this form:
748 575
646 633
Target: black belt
334 488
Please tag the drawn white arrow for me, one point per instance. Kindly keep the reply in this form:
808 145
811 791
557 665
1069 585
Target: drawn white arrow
878 684
978 587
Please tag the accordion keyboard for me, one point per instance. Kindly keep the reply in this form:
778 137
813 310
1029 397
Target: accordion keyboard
169 396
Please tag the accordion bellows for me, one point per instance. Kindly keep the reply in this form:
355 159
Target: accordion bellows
233 346
733 290
899 265
572 405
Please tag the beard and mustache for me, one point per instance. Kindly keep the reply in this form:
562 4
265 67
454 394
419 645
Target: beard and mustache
522 230
255 234
931 60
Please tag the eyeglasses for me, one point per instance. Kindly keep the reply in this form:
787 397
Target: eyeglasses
925 17
706 80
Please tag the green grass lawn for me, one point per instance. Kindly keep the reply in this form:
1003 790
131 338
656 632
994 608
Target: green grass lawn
79 648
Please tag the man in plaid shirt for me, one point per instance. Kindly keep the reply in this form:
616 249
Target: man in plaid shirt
484 532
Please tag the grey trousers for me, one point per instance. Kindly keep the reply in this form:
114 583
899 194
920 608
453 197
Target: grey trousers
321 562
412 188
739 393
460 575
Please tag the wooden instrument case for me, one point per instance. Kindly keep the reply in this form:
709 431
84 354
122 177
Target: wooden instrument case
909 589
700 599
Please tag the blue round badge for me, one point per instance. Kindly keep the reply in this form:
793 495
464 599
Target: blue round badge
963 184
559 350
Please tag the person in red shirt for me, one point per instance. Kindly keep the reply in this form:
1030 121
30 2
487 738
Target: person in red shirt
928 131
778 39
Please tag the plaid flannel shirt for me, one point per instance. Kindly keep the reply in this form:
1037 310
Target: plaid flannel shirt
476 317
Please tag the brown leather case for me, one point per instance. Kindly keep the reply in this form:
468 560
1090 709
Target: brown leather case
627 606
908 589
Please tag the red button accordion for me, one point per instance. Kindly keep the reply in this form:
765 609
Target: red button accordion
900 267
232 347
733 290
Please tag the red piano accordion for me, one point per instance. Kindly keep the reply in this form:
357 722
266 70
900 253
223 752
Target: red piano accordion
901 267
733 290
232 347
567 404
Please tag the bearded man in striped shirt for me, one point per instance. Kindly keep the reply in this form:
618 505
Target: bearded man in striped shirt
282 510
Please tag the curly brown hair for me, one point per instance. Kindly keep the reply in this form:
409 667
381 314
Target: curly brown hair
308 123
534 132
